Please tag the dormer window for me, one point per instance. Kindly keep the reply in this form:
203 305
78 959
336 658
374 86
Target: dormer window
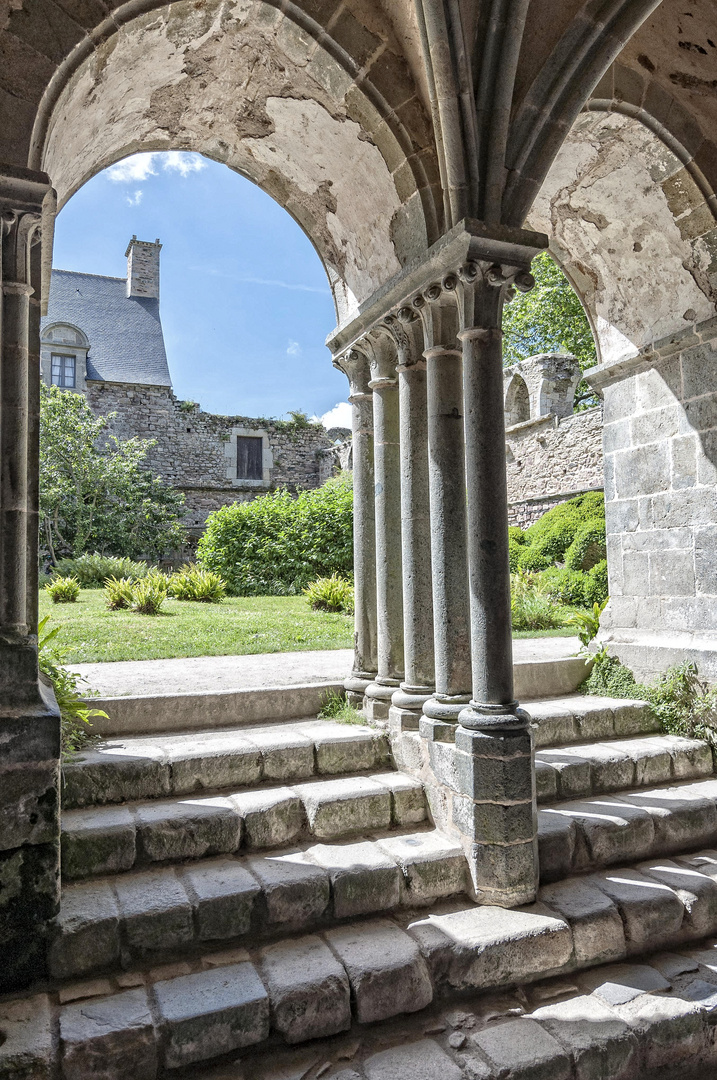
64 370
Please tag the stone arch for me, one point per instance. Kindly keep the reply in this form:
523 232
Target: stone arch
517 401
53 335
269 93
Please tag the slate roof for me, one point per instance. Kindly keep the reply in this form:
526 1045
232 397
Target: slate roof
125 333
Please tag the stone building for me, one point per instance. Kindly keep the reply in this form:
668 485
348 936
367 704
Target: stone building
102 336
430 150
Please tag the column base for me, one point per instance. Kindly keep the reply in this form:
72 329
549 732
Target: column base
377 697
355 687
406 706
482 716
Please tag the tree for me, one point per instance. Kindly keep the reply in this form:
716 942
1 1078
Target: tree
550 318
95 492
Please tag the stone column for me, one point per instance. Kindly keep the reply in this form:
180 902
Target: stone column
419 680
355 366
494 749
29 719
447 486
389 585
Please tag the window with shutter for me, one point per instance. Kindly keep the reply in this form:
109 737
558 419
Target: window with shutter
249 458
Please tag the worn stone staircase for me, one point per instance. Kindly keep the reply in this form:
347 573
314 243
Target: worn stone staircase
226 893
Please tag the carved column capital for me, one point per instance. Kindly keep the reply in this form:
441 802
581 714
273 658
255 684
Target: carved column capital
355 366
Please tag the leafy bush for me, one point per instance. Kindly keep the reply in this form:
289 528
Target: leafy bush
331 594
565 586
596 584
118 593
63 590
75 713
589 546
149 593
548 539
276 544
93 570
193 583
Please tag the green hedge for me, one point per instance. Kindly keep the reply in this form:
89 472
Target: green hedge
277 544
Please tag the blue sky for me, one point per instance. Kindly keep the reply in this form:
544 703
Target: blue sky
244 298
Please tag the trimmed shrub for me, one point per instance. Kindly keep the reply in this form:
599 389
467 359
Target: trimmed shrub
548 539
588 548
93 570
596 591
149 594
118 593
63 590
331 594
276 544
193 583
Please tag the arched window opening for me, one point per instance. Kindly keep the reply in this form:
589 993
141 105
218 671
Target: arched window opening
517 402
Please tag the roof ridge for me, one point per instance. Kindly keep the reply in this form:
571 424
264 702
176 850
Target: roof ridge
82 273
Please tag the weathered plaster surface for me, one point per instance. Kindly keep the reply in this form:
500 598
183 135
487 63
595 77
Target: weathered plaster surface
618 206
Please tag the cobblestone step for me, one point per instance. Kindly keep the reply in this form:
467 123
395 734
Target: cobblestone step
125 919
576 718
112 839
571 772
586 834
146 1020
149 767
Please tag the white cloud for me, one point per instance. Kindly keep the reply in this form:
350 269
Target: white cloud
339 416
183 162
136 199
134 168
293 349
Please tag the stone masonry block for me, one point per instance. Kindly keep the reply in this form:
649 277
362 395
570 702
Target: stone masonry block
572 772
546 782
115 773
364 879
198 763
341 750
295 891
341 807
97 842
683 816
187 830
155 911
598 932
111 1037
557 835
494 823
408 802
423 1059
697 893
523 1050
598 1041
224 896
26 1045
504 873
388 976
308 989
271 817
669 1029
285 754
87 936
609 830
495 779
433 865
211 1013
651 912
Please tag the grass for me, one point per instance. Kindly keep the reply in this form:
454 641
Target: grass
561 631
238 626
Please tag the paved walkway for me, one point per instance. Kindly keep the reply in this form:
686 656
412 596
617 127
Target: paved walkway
200 674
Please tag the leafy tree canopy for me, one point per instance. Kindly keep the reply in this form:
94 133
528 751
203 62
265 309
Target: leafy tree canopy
95 492
550 318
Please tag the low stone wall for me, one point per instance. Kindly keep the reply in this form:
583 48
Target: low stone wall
194 449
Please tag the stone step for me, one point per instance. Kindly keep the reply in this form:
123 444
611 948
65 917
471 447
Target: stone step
149 767
317 985
605 830
572 772
112 839
576 718
149 914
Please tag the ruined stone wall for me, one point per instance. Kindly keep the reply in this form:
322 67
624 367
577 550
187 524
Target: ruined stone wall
550 459
195 450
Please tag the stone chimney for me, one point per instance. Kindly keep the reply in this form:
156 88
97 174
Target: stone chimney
143 268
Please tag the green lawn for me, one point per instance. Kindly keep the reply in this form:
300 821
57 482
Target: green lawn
239 625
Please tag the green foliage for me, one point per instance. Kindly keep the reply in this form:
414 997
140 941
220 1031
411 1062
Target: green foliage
192 583
149 593
63 590
610 678
93 570
550 537
75 713
333 593
565 586
587 623
95 492
533 611
549 318
588 547
276 544
336 707
118 593
596 587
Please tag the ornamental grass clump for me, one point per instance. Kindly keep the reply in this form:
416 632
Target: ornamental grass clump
118 593
531 605
149 594
191 582
333 593
63 590
75 712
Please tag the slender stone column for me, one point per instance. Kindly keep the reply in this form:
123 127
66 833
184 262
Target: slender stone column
494 747
29 720
389 584
418 684
355 365
447 485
